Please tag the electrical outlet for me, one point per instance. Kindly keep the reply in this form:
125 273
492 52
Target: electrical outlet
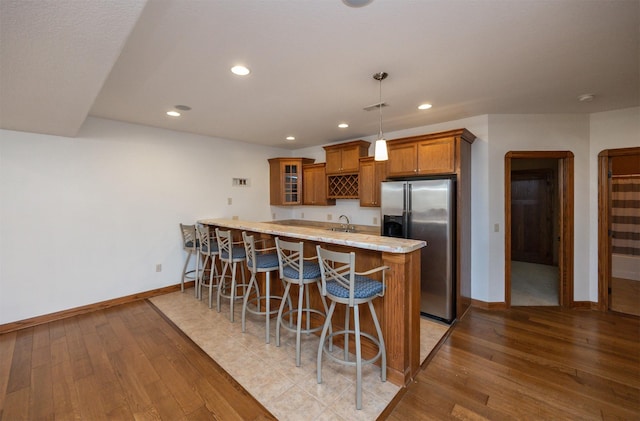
496 227
234 217
159 267
301 215
329 217
375 220
273 216
229 201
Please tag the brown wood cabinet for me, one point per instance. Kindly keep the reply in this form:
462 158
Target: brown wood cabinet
421 155
371 174
344 157
314 191
285 180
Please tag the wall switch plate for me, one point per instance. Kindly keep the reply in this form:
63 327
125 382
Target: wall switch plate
329 217
229 201
158 267
301 215
496 227
273 216
375 220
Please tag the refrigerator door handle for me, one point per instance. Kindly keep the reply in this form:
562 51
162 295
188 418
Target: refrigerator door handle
407 211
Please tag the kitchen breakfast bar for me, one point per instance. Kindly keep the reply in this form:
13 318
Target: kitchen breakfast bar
398 310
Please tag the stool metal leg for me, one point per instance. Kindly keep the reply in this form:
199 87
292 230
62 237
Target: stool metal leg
281 309
383 356
356 322
267 305
323 337
184 270
221 285
300 303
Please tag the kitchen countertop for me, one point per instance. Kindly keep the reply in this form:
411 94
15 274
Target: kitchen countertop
364 240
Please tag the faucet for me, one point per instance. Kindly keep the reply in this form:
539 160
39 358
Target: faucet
346 226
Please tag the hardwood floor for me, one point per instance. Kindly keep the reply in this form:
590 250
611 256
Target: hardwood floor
128 362
531 363
121 363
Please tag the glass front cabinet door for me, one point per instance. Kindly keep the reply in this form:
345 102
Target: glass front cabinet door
286 180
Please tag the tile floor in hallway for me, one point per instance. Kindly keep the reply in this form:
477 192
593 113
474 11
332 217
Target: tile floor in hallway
269 372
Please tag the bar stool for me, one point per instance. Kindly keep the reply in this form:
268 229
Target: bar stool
191 245
295 269
342 284
230 255
259 260
208 250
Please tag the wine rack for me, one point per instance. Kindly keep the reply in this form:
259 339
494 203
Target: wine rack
343 186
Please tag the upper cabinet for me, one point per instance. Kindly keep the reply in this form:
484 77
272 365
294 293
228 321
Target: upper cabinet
372 173
421 155
285 179
344 158
315 186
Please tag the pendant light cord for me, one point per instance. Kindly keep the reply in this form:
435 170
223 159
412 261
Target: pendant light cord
380 108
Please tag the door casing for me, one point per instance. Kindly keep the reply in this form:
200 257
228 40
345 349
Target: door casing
566 209
604 222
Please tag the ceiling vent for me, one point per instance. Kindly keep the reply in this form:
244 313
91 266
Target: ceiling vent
375 106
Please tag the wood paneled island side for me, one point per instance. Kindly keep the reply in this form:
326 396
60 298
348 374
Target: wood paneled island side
398 310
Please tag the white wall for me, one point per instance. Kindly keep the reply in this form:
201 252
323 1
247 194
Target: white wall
568 132
87 219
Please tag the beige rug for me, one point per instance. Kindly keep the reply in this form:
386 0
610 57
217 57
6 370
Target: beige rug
269 372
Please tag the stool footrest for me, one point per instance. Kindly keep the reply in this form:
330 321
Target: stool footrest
328 342
295 311
253 300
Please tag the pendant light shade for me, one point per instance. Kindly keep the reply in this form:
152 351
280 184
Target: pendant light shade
380 150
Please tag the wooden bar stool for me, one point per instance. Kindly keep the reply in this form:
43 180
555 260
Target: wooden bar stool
342 284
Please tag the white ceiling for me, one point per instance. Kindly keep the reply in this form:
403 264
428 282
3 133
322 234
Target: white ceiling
312 63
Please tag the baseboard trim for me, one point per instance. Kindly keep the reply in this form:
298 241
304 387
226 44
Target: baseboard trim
489 305
63 314
586 305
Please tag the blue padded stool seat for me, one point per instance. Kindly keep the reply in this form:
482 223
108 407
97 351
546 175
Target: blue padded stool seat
364 288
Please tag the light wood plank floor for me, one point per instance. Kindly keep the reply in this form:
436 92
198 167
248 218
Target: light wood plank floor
128 362
531 363
125 362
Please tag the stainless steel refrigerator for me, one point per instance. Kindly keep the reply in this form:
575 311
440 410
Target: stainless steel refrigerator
425 210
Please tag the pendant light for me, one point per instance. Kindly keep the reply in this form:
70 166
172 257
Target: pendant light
380 150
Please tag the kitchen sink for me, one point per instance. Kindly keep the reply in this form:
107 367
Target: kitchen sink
341 229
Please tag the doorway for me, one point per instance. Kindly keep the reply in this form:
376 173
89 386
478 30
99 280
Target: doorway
619 230
539 228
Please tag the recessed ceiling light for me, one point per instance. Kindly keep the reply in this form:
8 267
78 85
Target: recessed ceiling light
182 107
290 138
343 125
240 70
424 106
586 98
356 3
173 113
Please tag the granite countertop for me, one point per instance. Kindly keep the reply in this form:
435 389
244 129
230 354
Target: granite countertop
363 240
